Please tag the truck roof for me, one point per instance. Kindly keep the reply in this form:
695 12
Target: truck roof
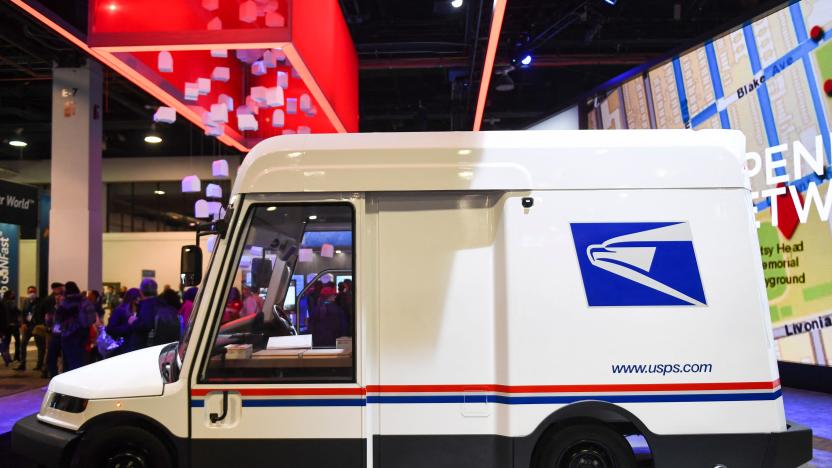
499 160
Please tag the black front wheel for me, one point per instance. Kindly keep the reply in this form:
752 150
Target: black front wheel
122 447
585 446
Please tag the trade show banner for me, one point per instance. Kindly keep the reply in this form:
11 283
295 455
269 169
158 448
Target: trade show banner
767 78
9 257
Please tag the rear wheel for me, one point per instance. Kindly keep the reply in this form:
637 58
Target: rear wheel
585 446
122 447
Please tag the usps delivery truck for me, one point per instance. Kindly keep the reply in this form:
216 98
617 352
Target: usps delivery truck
493 299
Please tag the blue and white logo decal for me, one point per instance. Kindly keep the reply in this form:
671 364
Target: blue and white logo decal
638 264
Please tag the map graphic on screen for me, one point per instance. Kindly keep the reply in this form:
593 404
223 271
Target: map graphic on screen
765 79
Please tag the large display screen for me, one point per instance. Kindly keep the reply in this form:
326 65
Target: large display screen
765 78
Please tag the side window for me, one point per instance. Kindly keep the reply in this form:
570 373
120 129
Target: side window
289 313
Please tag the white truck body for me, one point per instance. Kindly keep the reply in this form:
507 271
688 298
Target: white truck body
506 283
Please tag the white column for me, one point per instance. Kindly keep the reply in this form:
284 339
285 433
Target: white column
75 222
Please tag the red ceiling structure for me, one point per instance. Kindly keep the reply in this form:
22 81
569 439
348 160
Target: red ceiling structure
310 36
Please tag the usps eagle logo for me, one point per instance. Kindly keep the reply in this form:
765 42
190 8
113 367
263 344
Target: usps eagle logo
638 264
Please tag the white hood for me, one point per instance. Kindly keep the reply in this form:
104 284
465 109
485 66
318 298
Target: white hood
134 374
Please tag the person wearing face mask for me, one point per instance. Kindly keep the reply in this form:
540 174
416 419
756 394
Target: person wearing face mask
31 327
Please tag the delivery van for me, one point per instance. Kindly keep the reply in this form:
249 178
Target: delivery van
491 299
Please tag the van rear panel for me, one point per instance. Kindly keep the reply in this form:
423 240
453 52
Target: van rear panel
494 315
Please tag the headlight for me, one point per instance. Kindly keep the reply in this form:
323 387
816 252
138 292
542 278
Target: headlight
67 403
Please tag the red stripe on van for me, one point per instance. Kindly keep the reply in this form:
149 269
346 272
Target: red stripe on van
574 388
283 391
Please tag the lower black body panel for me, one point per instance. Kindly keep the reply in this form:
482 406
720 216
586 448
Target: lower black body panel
442 451
282 453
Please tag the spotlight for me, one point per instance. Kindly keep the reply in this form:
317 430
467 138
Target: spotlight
159 192
456 3
153 139
312 217
18 143
611 2
527 60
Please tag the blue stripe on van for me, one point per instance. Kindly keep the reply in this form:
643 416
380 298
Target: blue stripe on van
507 400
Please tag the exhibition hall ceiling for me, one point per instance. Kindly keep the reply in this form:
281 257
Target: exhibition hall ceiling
420 65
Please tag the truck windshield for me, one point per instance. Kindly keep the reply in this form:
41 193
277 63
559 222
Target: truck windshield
270 317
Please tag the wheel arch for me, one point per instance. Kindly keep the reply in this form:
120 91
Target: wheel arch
176 446
621 420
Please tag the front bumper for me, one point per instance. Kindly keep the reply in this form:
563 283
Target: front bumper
42 443
788 449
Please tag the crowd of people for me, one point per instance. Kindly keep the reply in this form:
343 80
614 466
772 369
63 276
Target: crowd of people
72 328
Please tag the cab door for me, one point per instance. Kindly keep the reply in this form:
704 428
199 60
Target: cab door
272 386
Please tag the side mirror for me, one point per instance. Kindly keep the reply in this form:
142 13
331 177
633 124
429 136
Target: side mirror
191 265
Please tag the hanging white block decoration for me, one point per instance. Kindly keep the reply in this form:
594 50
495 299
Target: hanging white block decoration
305 103
206 119
274 96
165 62
261 9
289 132
219 113
191 184
214 130
204 85
295 73
248 12
227 100
246 122
305 255
191 91
304 130
258 68
214 25
219 53
213 191
219 168
279 55
165 115
245 261
210 243
278 119
243 110
249 55
214 208
275 20
252 105
271 5
258 94
201 209
312 112
291 106
222 74
268 59
327 251
210 5
283 79
256 251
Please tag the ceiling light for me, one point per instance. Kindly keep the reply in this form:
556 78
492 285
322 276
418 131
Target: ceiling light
313 217
338 251
153 139
112 7
456 3
19 143
271 208
159 192
527 60
463 152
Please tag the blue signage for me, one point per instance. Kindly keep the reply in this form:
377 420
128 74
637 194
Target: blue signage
9 257
638 264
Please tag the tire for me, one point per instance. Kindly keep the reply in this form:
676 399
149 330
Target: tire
585 446
122 447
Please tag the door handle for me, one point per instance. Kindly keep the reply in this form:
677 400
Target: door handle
214 417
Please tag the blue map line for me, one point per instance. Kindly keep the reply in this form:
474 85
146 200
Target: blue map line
823 128
763 98
716 79
680 89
